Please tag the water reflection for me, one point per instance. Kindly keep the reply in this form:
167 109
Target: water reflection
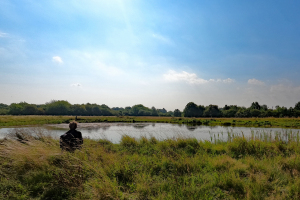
191 128
140 126
114 131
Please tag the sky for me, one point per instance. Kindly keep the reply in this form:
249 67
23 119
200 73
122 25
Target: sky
156 53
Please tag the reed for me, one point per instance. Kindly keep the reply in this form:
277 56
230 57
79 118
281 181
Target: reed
265 165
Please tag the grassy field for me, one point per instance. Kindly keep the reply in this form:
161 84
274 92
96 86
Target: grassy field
33 167
8 120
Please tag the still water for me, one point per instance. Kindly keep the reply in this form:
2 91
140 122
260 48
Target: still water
114 131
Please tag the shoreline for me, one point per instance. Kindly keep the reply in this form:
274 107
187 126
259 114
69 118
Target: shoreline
16 121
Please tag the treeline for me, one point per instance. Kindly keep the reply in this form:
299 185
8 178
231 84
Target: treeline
191 110
255 110
65 108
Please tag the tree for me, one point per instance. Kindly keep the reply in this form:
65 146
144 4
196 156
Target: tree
229 111
264 107
78 109
89 109
154 111
58 108
212 111
255 105
140 110
96 111
164 111
297 106
255 112
192 110
177 113
243 112
30 109
15 109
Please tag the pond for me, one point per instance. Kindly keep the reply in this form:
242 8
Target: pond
114 131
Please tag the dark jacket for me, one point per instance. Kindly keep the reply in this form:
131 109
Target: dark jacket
71 140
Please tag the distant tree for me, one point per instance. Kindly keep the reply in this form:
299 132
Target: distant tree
177 113
140 110
141 113
255 105
89 109
117 108
255 113
192 110
40 111
106 112
103 106
226 107
78 109
30 109
264 107
169 114
243 112
229 111
96 111
4 109
162 110
297 106
15 109
212 111
58 108
3 106
127 111
281 111
154 111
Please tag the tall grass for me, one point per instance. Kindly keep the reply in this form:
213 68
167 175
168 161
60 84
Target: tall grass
256 167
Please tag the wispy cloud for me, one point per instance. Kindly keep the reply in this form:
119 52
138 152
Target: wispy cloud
192 78
162 39
57 60
76 85
255 82
3 34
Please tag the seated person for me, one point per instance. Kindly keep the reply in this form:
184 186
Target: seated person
71 140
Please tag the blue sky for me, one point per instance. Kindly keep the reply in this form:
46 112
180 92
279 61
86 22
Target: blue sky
157 53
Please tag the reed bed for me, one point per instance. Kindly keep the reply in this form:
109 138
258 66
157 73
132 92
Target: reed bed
260 166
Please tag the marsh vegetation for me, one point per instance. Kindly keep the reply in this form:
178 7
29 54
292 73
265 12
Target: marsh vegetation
258 167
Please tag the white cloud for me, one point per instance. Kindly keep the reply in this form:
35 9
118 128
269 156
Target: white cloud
255 82
57 60
228 80
3 34
191 78
76 85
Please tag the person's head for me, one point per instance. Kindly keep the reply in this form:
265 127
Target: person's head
73 125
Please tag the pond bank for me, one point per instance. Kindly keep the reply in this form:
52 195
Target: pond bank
8 120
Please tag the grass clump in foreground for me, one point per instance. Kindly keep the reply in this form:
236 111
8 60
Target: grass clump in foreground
33 167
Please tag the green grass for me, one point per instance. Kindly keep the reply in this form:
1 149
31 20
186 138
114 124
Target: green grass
33 167
8 120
